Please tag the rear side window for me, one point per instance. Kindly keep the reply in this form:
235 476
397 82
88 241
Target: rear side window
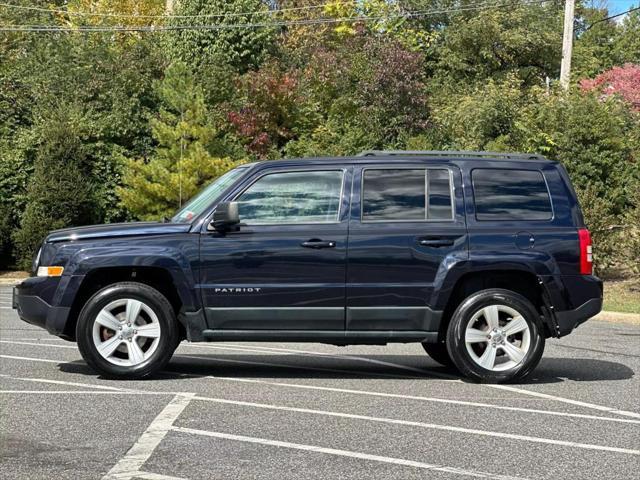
406 195
510 195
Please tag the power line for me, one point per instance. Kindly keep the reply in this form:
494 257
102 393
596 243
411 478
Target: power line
128 15
612 16
283 23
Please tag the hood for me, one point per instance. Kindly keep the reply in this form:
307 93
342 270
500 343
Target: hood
117 230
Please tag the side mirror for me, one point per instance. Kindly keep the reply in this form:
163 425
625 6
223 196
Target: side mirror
225 216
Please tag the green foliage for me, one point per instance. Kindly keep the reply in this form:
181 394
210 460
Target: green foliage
479 117
605 44
145 132
182 162
524 40
242 48
58 194
597 141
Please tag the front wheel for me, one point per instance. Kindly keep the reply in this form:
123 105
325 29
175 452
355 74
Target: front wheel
495 336
127 330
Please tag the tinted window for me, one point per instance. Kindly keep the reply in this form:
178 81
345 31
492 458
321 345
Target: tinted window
510 195
439 195
292 197
393 195
406 194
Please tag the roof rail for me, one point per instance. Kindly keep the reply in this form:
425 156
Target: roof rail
454 153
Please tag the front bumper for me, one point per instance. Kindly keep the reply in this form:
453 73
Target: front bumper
32 300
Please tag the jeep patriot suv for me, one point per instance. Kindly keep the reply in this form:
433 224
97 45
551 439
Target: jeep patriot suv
477 256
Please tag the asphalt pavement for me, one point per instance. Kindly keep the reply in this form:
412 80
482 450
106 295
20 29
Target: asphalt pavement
293 410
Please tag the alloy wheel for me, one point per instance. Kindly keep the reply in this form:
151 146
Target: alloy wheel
497 338
126 332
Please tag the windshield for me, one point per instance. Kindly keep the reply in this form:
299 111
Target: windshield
207 196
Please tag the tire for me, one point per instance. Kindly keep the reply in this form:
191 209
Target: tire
439 353
128 352
507 353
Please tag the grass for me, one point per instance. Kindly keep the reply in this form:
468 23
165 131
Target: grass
13 275
622 295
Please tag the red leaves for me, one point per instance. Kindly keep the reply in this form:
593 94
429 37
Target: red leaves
622 81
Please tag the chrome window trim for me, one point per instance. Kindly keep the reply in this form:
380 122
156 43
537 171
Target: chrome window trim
296 170
426 192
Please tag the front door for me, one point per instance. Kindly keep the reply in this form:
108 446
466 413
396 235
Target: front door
407 225
285 267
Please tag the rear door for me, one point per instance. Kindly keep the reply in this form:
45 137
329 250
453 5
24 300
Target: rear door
407 223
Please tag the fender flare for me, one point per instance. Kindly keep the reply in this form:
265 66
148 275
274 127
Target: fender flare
90 259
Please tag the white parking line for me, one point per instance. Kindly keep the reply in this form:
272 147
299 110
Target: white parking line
68 384
344 453
80 392
352 416
567 400
419 398
13 357
40 344
363 392
316 369
432 426
306 353
129 466
521 391
248 362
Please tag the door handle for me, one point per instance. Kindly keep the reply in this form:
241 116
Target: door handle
436 242
318 244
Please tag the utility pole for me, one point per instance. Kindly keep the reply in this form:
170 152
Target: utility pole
567 44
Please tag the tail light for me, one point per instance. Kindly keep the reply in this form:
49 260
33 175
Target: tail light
586 252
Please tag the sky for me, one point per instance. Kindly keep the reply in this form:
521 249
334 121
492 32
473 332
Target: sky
619 6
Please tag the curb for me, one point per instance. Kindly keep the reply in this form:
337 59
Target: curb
618 317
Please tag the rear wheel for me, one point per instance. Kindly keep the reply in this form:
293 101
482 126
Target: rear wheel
127 330
495 336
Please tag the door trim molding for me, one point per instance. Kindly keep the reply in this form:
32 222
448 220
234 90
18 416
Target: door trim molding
274 318
389 317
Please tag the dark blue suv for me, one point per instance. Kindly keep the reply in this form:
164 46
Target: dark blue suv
478 256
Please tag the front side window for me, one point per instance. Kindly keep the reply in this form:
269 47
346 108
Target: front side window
510 195
406 194
292 197
208 196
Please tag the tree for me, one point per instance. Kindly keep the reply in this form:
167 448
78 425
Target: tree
524 40
623 81
182 161
59 193
242 48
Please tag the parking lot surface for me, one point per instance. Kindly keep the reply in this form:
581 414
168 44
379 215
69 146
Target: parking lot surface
291 411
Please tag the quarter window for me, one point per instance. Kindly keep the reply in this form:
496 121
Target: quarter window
510 195
292 197
406 195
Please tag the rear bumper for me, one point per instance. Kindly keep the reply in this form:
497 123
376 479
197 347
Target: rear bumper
584 294
570 319
31 301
